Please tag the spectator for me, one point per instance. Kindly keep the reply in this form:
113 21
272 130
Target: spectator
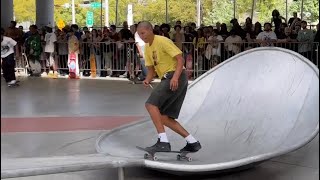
267 37
7 58
33 46
287 40
50 40
237 28
233 44
178 36
106 51
95 50
293 19
125 32
62 48
305 37
224 31
213 50
316 37
276 20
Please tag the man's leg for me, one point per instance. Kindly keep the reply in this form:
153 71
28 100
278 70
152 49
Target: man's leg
156 117
11 70
162 145
192 144
4 67
174 125
10 64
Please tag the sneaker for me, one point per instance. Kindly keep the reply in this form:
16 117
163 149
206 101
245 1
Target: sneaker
44 74
160 147
123 75
141 78
192 147
12 82
109 72
55 75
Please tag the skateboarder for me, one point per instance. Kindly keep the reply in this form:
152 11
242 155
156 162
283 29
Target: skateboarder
165 59
7 58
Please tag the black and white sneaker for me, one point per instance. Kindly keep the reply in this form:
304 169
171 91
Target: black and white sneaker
192 147
159 147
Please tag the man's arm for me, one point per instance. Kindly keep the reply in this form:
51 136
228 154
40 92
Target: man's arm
179 68
151 73
139 51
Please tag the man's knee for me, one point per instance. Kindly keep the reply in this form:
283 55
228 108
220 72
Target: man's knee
150 106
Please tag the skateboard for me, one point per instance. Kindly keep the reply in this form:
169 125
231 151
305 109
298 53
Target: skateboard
72 66
93 67
152 155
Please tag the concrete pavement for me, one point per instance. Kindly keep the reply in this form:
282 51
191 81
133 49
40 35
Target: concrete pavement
63 98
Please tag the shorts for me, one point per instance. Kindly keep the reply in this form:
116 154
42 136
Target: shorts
169 102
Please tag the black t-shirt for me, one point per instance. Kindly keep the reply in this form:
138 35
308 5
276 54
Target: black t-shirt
291 21
126 34
316 38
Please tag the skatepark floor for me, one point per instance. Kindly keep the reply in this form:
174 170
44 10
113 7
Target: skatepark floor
47 117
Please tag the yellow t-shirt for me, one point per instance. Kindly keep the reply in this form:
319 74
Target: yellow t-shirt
161 54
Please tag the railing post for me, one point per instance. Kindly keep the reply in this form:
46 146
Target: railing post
120 173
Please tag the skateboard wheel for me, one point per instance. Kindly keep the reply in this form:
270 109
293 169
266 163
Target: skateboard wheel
179 157
146 156
189 159
155 158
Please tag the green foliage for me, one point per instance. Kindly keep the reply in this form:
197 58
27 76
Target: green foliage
216 14
184 10
310 9
23 10
265 8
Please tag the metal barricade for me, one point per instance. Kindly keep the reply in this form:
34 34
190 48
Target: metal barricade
21 61
121 59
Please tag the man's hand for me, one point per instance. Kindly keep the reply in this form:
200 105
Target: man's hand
146 83
174 84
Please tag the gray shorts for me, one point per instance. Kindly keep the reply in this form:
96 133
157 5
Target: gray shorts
169 102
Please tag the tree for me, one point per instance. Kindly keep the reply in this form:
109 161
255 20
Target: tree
310 9
216 14
265 7
24 10
184 10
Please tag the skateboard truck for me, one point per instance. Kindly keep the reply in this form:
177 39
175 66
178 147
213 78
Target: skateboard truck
151 155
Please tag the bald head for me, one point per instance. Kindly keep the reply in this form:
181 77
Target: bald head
145 25
145 31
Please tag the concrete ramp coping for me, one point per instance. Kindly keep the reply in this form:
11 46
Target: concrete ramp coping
23 167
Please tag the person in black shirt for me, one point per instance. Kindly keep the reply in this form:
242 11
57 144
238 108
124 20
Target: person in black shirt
293 19
125 32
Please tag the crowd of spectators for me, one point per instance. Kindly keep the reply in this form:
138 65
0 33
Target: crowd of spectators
208 45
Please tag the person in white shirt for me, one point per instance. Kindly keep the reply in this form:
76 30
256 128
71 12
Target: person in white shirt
267 37
233 44
140 46
7 58
50 39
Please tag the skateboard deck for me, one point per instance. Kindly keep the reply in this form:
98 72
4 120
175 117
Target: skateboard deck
72 66
93 67
152 155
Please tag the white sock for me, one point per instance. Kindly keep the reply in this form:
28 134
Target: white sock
163 137
190 139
